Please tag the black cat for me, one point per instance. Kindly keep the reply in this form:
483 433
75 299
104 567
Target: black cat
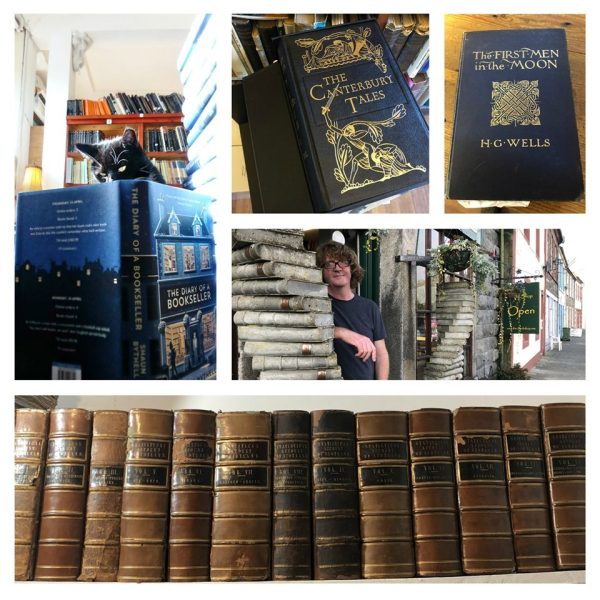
120 158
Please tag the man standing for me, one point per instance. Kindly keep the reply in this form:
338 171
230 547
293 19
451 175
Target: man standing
359 330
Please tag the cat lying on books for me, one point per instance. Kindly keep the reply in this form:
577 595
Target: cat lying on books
120 158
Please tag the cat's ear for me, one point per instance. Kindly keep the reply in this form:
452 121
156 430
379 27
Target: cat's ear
88 150
129 136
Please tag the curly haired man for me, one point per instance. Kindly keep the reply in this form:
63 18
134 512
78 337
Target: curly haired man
359 330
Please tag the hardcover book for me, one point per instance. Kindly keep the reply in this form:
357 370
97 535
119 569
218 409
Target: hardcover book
145 508
241 527
360 133
384 495
60 540
292 529
515 136
564 447
114 281
486 532
527 488
100 560
31 433
191 495
435 511
336 526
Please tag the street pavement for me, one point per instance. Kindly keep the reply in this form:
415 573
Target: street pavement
568 363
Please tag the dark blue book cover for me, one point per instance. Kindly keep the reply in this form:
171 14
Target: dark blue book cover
515 135
115 281
360 133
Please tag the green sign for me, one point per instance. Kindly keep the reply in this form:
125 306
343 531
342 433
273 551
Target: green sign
521 309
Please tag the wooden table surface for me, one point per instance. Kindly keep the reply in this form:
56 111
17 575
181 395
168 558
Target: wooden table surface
574 25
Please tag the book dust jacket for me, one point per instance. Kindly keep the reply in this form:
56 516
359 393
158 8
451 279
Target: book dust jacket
515 136
115 281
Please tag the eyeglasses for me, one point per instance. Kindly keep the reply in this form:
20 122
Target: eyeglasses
331 264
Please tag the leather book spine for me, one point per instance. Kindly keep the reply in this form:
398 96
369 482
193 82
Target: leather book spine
100 560
191 495
145 509
384 495
435 509
292 535
65 486
486 532
31 436
564 446
527 488
336 525
241 528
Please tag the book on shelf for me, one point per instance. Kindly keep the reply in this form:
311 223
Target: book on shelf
115 281
515 134
527 488
119 103
191 495
31 433
564 448
145 506
100 561
241 527
62 521
433 482
417 40
360 133
336 526
384 495
291 527
485 527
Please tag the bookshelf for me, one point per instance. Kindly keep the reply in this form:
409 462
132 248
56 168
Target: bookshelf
113 126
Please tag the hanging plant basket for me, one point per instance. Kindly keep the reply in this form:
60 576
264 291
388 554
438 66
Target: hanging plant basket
457 260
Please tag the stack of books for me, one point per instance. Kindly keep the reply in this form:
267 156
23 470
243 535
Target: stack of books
193 495
283 315
197 68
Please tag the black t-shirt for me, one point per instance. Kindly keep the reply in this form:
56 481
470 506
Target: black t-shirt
363 316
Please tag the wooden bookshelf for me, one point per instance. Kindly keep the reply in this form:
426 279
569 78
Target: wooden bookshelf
114 125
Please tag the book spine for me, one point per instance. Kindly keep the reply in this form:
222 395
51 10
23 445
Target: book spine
384 493
435 512
241 528
272 363
243 28
281 303
279 286
288 348
564 448
316 184
336 529
256 252
292 536
261 333
486 532
31 434
65 485
145 507
527 488
191 495
139 273
100 560
274 269
286 319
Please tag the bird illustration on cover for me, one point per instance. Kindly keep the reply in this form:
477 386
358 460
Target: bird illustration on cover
361 154
341 48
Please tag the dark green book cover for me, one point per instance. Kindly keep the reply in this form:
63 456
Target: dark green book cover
360 132
515 136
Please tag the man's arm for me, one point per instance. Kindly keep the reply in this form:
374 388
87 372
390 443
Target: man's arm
382 366
365 348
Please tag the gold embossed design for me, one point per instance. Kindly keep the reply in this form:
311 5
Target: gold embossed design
341 48
362 155
515 103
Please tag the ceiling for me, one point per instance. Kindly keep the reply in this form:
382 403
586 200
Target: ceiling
131 53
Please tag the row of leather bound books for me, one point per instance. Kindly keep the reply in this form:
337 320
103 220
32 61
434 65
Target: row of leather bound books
149 495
